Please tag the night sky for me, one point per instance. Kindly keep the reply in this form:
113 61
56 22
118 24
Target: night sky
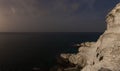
54 15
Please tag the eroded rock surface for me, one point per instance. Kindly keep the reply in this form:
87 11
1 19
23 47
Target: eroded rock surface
103 55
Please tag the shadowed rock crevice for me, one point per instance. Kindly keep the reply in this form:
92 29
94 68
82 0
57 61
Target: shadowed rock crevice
101 58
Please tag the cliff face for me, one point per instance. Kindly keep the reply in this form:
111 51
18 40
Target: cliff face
103 55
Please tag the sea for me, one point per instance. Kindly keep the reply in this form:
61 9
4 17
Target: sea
28 51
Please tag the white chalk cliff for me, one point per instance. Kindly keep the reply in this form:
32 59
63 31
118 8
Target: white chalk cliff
103 55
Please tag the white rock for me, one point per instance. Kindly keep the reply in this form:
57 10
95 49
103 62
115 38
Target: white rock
105 53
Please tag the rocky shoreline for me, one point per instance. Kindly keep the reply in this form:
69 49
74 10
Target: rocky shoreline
65 64
102 55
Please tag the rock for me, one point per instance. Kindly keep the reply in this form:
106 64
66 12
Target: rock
65 56
72 69
63 63
77 45
56 68
104 69
103 55
87 44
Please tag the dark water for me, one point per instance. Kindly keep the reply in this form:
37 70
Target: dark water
27 50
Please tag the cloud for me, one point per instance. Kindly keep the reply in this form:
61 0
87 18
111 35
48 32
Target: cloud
46 15
68 7
43 7
75 6
89 3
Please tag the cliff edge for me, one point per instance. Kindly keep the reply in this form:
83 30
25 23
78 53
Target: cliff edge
103 55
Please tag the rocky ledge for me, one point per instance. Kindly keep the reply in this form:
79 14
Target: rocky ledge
103 55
